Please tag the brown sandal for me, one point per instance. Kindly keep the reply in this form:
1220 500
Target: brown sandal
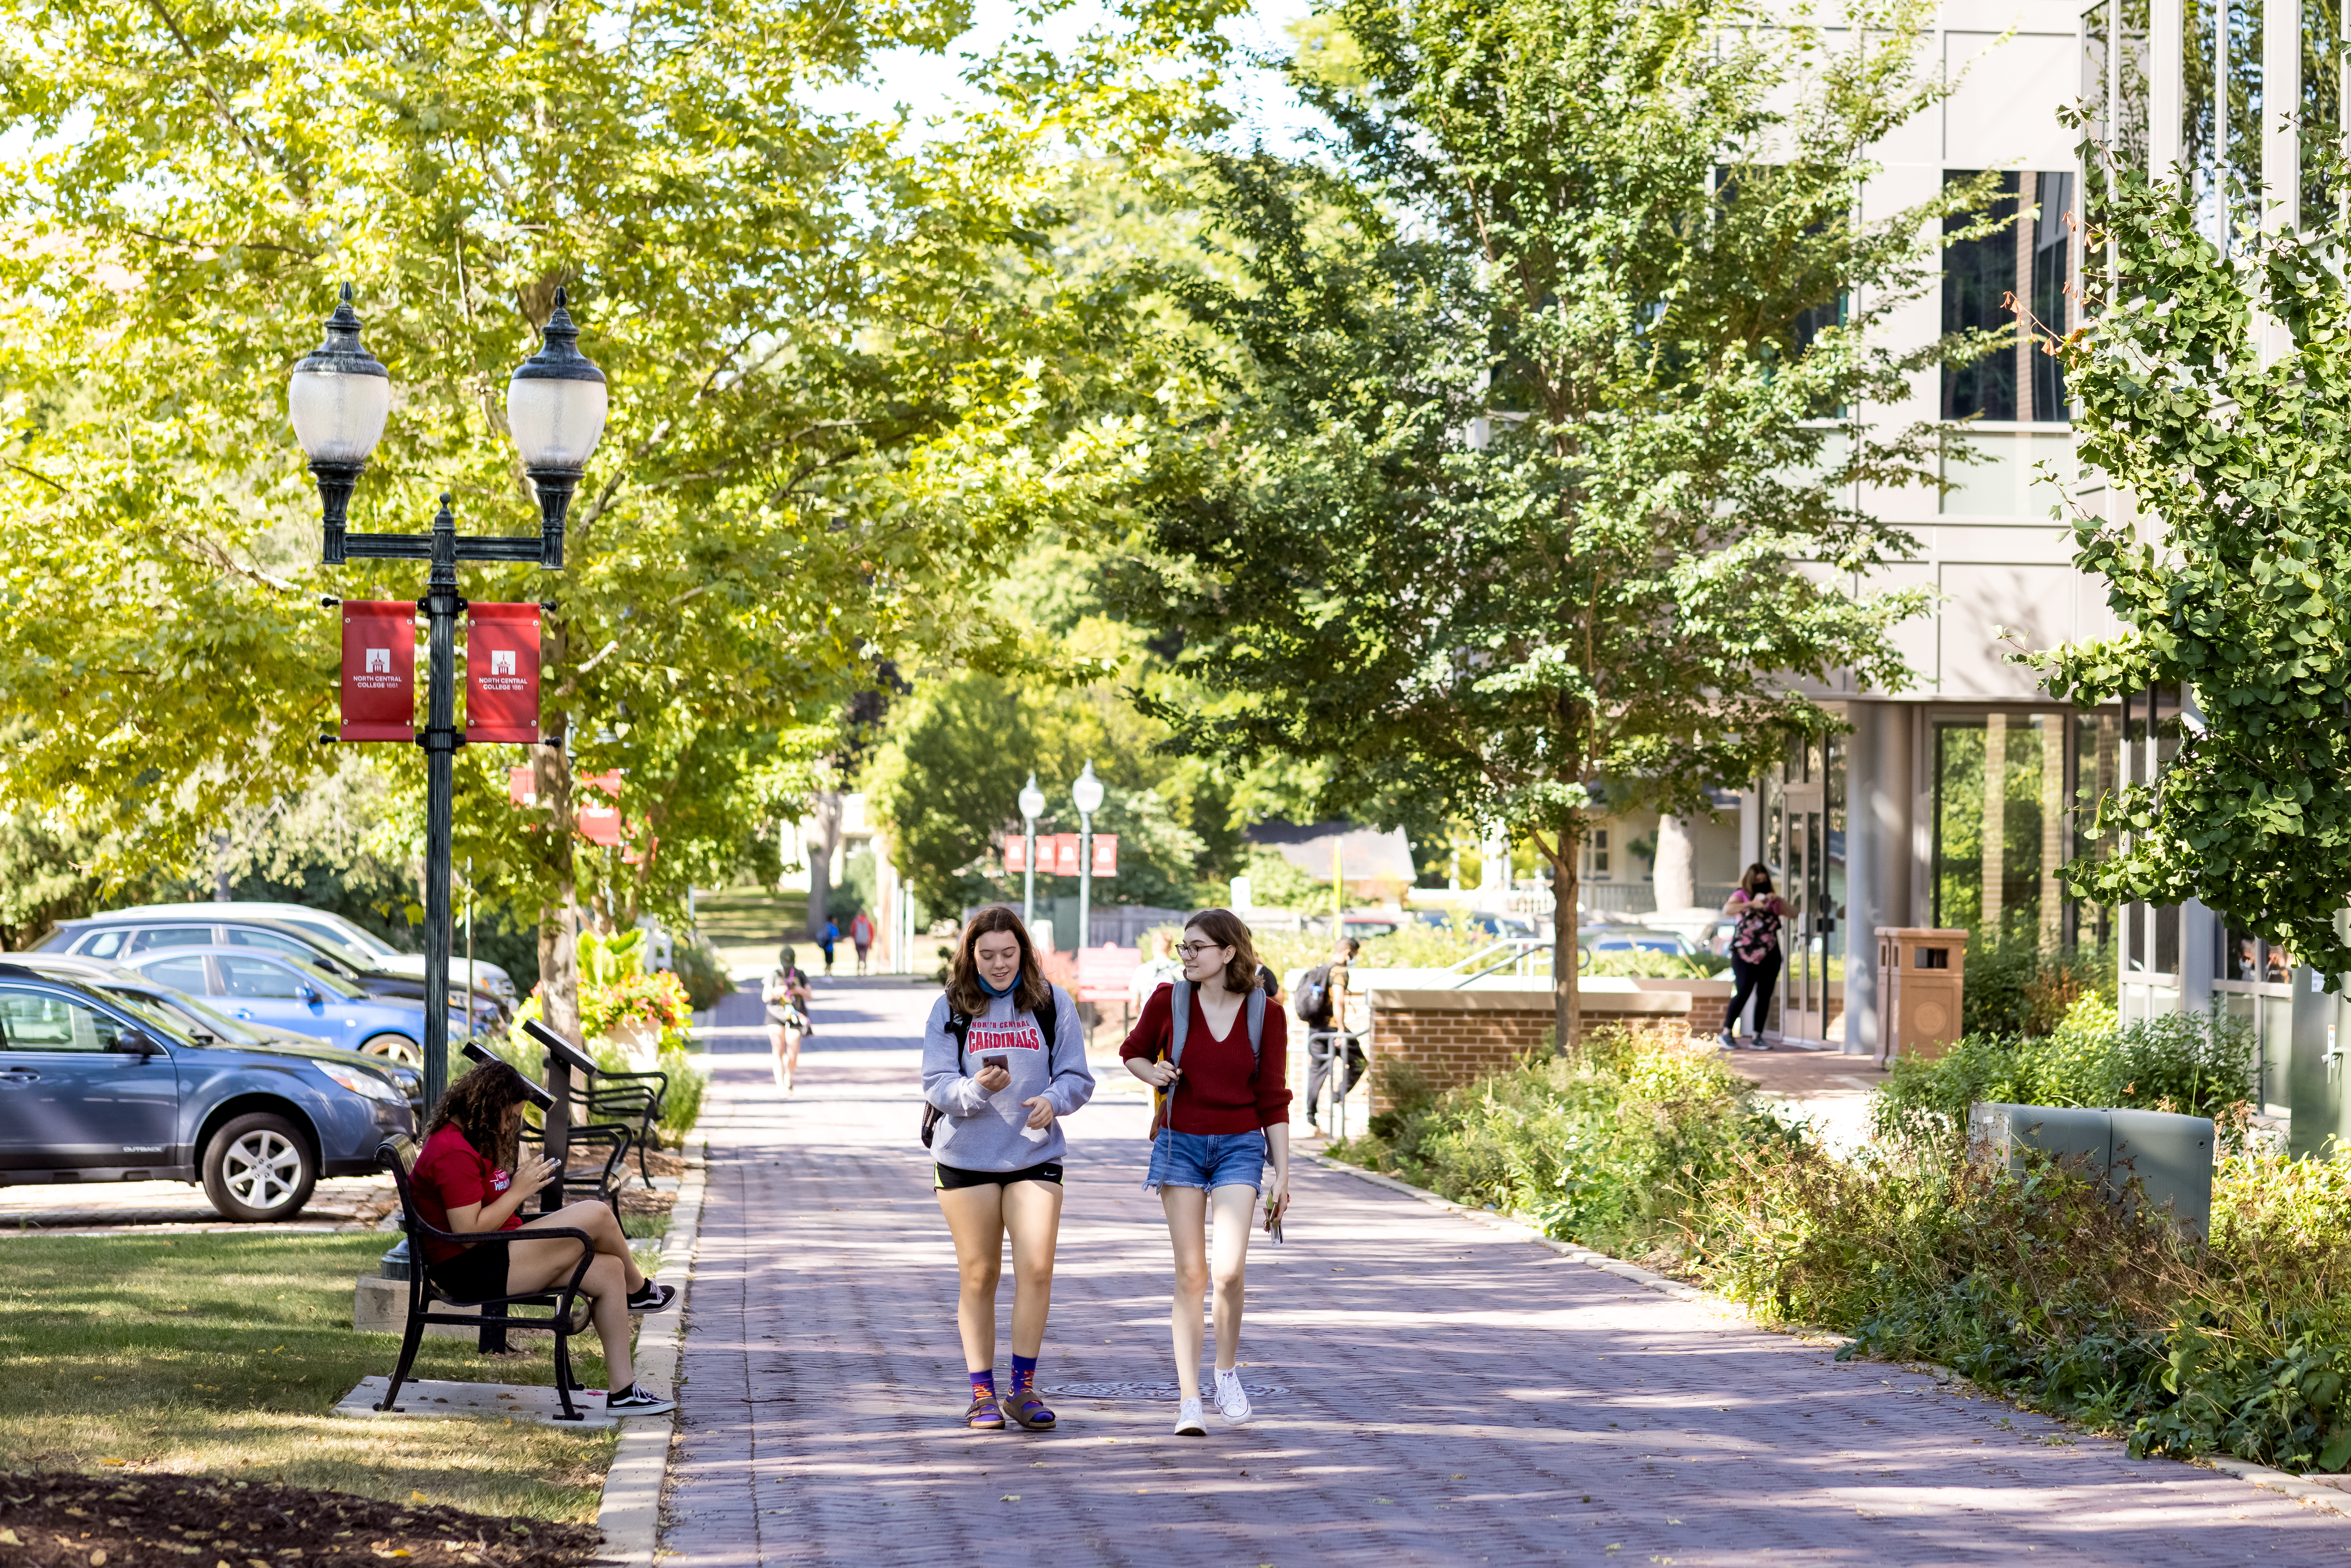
1025 1407
984 1415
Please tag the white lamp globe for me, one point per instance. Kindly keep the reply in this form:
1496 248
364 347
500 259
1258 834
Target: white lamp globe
338 395
1033 800
556 402
1086 794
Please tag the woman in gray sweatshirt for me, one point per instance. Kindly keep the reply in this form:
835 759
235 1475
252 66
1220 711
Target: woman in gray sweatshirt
1004 1059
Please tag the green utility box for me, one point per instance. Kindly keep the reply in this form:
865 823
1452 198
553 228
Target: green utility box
2170 1157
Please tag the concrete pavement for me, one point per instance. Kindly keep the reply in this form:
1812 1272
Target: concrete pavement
1453 1395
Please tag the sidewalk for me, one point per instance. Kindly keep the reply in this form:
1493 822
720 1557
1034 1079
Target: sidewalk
1452 1394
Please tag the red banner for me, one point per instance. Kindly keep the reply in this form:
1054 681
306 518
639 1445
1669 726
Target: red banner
1016 853
502 674
1065 855
379 669
522 790
1105 854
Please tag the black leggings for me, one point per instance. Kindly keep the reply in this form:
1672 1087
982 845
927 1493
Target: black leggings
1755 978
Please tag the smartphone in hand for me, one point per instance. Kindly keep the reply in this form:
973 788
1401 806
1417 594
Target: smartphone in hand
1000 1062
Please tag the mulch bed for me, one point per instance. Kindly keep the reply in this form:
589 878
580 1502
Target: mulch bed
49 1519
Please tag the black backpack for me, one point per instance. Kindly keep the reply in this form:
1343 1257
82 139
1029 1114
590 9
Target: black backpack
960 1025
1313 1002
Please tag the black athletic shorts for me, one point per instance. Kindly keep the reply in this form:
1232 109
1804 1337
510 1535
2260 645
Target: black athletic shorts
474 1275
947 1179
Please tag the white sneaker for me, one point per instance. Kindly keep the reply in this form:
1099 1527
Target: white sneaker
1232 1399
1189 1422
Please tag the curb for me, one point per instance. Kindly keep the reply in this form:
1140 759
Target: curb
630 1513
2294 1486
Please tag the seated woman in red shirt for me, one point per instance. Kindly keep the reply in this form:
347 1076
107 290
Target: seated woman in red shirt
462 1184
1227 1115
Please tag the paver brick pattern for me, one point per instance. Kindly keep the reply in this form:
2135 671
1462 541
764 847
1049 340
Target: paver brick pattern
1455 1394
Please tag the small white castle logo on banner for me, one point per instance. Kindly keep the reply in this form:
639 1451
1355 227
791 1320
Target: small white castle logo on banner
502 662
378 659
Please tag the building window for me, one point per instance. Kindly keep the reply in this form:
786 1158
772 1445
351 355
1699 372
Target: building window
2027 258
1597 851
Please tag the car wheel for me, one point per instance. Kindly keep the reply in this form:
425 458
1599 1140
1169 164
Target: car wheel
259 1167
393 1048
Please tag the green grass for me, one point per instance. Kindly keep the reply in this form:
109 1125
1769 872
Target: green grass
748 923
223 1355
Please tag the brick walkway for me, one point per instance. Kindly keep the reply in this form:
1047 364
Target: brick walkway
1455 1395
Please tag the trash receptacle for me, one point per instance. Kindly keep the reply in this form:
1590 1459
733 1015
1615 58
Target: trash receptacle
1921 977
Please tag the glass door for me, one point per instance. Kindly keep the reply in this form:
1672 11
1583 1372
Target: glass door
1804 974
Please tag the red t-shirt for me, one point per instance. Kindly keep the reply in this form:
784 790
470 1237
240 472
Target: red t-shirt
1224 1089
450 1174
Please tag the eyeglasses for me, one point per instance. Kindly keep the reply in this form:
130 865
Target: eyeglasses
1193 949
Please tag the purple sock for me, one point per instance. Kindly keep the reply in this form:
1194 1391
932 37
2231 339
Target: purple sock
1024 1373
983 1385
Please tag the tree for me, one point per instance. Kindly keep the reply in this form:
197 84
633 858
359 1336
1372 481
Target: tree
1521 475
833 384
2233 575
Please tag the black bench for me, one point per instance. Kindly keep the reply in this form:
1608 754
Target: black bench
633 1100
495 1315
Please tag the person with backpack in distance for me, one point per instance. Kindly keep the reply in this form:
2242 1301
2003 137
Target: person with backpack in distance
824 940
1319 1004
1004 1059
1755 954
861 935
1216 1054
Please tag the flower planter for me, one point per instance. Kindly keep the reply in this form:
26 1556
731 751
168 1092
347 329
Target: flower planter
638 1040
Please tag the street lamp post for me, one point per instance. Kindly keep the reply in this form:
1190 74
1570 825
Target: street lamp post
1086 794
338 398
1033 806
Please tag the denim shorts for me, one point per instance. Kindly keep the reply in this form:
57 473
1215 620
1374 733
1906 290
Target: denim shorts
1206 1160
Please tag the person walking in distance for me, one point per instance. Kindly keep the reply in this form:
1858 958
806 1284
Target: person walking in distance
1004 1059
1755 955
785 996
1322 1004
861 934
1216 1053
825 938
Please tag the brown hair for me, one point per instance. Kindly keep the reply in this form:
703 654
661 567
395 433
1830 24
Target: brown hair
1226 929
1032 993
476 1105
1757 880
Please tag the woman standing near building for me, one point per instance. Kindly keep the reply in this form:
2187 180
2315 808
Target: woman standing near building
1004 1059
1755 955
1218 1053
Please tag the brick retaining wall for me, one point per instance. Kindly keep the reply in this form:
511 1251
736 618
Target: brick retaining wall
1452 1036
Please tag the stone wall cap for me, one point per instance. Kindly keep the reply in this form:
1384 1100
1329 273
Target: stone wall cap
1608 1001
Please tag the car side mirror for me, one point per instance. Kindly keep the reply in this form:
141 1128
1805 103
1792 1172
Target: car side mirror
310 995
137 1043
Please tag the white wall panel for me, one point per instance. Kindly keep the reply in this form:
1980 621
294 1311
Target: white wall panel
2038 603
2004 113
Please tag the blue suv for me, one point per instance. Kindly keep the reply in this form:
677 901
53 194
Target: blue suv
97 1086
280 992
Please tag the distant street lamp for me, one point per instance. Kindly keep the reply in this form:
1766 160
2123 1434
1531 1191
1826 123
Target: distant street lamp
1086 794
338 399
1033 806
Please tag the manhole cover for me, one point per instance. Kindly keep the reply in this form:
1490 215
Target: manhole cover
1137 1391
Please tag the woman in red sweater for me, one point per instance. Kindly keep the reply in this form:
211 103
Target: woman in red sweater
1225 1104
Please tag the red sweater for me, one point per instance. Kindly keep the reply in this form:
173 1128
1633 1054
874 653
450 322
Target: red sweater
1223 1089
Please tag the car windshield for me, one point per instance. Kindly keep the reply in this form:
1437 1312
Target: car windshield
192 1015
346 934
159 1020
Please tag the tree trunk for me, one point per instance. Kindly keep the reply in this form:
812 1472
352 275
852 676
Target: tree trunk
559 950
1565 950
824 811
1672 873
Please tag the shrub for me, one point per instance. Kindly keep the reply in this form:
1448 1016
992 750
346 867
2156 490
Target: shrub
1645 964
1605 1146
2199 1066
2012 987
701 970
